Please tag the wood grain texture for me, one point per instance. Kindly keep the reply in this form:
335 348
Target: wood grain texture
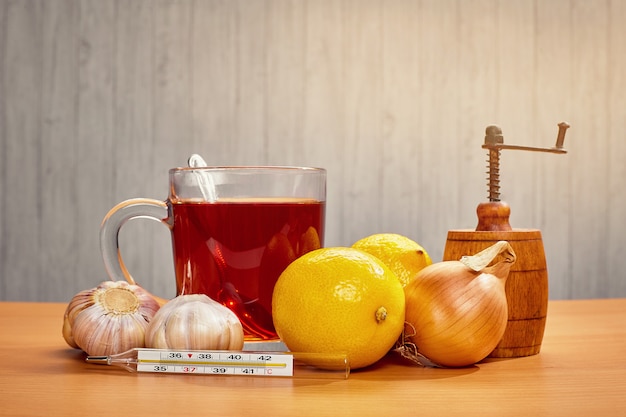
98 99
561 381
285 71
553 194
363 148
590 76
59 144
22 147
3 143
616 200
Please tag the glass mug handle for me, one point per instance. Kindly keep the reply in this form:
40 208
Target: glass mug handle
110 230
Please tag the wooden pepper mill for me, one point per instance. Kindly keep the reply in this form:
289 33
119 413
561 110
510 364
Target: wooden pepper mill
527 284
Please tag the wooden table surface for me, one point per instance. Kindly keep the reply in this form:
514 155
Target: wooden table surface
581 370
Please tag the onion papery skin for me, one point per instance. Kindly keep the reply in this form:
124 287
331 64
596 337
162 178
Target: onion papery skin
455 316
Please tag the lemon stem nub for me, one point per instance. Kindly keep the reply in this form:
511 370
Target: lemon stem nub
381 314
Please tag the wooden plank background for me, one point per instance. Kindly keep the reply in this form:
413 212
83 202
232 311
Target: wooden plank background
98 98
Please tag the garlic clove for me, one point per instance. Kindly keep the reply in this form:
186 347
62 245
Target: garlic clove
195 321
109 319
78 303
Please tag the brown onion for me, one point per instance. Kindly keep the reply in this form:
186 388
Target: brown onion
456 311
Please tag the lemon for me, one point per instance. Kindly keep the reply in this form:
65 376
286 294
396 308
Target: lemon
339 300
404 256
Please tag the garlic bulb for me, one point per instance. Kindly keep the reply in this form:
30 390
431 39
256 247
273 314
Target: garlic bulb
195 321
108 319
456 311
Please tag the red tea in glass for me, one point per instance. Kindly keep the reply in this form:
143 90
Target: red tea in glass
234 230
234 250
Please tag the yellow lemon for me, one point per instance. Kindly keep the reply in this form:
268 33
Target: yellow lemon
339 300
404 256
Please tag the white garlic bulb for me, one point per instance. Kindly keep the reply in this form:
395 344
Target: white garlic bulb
109 319
195 321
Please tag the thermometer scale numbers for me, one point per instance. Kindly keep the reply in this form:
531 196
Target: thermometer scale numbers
215 363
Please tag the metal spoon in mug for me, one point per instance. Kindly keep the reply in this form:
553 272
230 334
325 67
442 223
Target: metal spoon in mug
207 187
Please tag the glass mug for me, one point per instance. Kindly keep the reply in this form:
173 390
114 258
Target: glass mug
234 230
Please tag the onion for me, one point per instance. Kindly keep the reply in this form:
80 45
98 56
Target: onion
456 311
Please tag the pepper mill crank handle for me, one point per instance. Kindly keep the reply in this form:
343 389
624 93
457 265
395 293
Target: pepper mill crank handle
560 138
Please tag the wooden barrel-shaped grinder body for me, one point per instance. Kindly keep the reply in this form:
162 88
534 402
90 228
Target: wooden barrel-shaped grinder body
526 285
